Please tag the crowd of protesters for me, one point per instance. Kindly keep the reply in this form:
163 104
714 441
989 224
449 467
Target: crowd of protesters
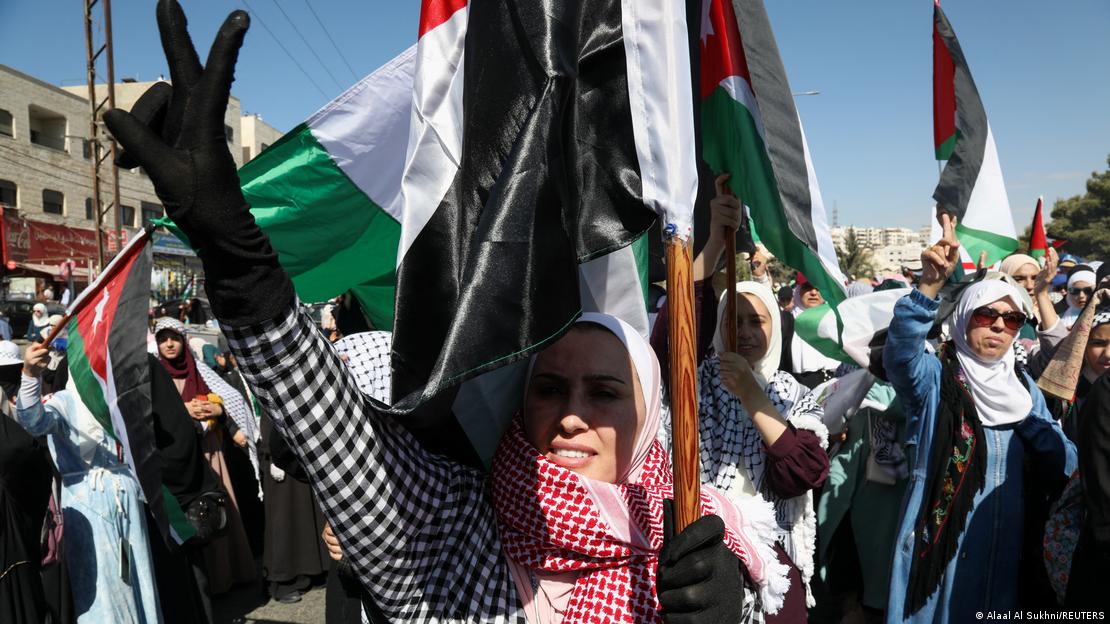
920 475
931 481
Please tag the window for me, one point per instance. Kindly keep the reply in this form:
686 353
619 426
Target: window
8 195
90 211
48 128
229 133
151 211
246 154
127 216
53 202
265 146
86 148
7 126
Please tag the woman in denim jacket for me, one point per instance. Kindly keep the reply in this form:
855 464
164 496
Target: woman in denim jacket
974 418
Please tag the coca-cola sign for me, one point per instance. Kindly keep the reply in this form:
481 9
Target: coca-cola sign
45 243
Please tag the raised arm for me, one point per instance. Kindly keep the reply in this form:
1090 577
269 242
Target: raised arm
29 410
402 515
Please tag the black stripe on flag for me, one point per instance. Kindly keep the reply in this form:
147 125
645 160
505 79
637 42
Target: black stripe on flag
957 180
131 377
781 126
548 178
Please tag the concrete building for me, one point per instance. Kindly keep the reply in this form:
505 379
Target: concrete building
46 170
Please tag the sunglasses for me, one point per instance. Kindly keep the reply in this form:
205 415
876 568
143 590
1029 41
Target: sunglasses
1081 291
987 316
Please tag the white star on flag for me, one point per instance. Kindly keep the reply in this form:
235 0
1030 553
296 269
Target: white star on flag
99 318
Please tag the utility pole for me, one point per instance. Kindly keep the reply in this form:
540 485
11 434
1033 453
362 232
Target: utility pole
97 135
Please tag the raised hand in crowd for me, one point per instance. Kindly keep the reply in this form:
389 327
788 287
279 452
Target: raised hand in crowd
176 134
35 359
1042 290
724 218
939 261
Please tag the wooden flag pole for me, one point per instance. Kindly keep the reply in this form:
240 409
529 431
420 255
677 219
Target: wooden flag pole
730 288
684 398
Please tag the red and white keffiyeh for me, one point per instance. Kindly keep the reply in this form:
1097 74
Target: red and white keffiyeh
554 521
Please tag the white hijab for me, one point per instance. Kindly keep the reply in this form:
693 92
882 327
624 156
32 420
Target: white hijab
1000 397
766 366
1071 315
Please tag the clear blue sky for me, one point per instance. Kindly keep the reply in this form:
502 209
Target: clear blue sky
1042 69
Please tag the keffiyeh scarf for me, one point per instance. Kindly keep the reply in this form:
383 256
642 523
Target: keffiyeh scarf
734 457
553 520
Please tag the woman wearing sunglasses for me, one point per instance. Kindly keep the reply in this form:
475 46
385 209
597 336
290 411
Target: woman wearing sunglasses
974 418
1081 285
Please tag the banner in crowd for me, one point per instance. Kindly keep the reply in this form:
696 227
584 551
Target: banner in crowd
971 185
751 129
108 364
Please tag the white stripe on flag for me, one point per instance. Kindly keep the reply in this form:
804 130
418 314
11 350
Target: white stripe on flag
826 252
611 285
988 208
741 91
436 128
366 128
656 46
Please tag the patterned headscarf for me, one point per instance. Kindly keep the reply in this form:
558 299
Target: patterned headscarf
603 539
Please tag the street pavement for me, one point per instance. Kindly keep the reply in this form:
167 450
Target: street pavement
249 605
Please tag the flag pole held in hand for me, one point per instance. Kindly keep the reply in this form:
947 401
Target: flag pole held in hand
730 271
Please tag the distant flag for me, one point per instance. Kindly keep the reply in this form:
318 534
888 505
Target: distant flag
751 129
108 364
971 185
1038 242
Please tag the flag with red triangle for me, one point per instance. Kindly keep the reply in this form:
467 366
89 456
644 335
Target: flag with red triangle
1038 241
108 364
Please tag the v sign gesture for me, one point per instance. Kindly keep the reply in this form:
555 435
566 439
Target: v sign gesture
939 261
177 135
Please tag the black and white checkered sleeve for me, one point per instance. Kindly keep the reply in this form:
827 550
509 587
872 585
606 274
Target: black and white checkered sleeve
415 526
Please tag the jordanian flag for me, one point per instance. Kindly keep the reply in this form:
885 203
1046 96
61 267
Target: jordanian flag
751 129
971 185
108 364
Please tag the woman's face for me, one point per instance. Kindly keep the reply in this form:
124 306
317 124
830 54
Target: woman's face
753 327
1079 293
811 296
990 341
1026 277
170 345
1098 350
584 406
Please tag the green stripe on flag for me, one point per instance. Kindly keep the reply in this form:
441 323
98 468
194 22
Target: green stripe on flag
88 386
640 253
180 526
330 237
975 241
944 150
808 327
731 143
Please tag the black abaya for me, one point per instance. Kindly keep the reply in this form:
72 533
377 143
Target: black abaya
25 475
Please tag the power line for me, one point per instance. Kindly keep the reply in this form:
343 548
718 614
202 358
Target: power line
257 16
333 44
307 44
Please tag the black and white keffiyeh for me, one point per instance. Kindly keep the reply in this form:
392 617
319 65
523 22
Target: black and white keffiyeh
367 357
734 456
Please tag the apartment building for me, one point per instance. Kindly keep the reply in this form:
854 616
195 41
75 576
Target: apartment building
46 171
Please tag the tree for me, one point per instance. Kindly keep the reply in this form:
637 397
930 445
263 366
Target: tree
1084 220
855 260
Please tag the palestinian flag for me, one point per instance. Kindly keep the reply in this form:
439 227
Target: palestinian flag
1038 240
971 185
108 364
555 170
848 330
751 129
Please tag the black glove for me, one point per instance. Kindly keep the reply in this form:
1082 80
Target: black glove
177 135
698 579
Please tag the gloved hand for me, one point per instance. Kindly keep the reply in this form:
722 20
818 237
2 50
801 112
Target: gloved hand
177 135
698 578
